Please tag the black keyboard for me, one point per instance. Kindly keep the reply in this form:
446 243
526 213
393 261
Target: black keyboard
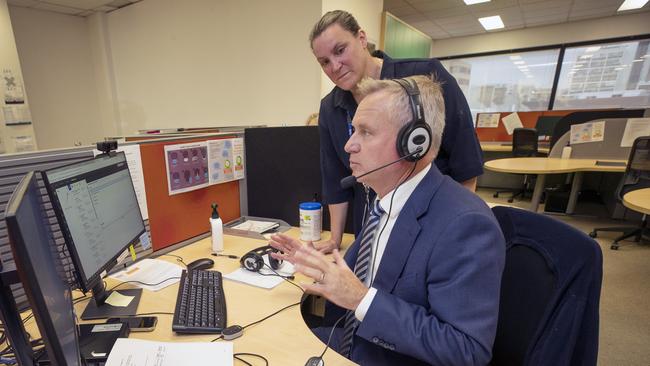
200 304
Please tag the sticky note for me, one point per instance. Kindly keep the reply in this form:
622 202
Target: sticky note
144 241
132 250
117 299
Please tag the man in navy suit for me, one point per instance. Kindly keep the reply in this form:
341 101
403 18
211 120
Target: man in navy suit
428 292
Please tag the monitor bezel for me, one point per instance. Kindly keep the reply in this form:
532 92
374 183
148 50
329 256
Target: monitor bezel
86 283
28 276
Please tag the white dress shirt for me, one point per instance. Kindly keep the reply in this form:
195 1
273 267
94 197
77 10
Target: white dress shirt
386 222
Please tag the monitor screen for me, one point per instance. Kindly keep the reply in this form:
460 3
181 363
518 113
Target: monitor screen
98 212
41 272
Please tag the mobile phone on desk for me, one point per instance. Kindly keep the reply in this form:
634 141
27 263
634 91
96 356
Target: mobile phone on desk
138 323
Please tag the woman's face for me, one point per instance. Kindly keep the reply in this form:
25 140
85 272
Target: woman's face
342 55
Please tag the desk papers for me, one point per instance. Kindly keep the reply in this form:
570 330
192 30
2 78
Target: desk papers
587 132
267 279
635 127
511 121
489 120
137 352
150 271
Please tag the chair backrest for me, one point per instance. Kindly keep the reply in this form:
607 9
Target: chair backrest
550 291
637 172
524 142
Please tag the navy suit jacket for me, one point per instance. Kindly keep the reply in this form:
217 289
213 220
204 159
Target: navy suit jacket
438 282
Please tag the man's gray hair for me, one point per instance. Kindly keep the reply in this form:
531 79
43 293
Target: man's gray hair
340 17
398 104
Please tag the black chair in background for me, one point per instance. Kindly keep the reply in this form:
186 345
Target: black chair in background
524 145
550 292
637 176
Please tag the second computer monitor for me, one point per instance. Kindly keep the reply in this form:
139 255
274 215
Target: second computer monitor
98 212
42 273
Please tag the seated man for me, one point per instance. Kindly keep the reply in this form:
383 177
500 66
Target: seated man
420 285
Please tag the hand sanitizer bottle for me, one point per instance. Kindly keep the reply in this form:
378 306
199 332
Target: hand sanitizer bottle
216 225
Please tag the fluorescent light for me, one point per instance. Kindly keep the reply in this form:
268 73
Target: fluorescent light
521 62
632 4
515 57
639 60
585 56
472 2
592 49
490 23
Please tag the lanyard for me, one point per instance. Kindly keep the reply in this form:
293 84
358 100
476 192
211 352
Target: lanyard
350 128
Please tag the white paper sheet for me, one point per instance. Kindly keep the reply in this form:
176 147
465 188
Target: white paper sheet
488 120
511 121
138 352
260 280
134 160
635 127
150 271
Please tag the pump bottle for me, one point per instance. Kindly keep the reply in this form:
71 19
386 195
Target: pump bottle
216 226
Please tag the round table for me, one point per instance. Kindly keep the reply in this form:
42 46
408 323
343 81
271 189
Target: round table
638 200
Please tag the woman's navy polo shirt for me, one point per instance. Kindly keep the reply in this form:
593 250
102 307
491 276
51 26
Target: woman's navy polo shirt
460 154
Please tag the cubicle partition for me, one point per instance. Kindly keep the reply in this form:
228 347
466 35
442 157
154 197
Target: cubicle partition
528 119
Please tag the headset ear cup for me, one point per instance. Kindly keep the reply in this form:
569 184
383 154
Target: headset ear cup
402 140
252 261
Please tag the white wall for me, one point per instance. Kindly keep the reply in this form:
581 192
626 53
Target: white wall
54 52
586 30
366 12
213 63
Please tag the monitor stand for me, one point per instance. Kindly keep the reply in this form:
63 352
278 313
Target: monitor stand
98 308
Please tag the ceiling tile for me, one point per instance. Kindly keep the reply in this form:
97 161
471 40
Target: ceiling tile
79 4
403 11
428 6
388 4
23 3
461 19
417 17
596 13
443 13
58 9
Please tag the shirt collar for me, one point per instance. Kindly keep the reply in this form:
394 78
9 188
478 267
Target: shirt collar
403 193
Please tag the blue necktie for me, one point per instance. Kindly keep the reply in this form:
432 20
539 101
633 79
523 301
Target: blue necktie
361 269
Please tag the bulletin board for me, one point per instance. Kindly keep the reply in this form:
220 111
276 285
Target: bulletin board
176 218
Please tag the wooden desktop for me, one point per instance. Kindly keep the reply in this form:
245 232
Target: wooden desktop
284 339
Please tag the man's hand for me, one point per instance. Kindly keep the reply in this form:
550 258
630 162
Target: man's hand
334 280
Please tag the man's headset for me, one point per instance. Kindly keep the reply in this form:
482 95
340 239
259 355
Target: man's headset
254 260
416 133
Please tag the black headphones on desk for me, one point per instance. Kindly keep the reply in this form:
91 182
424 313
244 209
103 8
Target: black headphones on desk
416 133
254 260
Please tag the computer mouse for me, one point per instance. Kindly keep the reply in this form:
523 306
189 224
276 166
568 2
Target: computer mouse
203 263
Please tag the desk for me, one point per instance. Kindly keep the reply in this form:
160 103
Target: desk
638 200
283 339
506 147
543 166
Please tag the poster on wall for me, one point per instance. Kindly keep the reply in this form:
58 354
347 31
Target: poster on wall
187 167
587 132
226 160
13 89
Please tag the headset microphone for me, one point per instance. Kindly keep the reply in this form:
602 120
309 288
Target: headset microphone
350 180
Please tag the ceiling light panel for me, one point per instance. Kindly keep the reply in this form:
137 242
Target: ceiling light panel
491 23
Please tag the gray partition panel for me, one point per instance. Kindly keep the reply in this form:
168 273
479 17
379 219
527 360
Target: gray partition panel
609 148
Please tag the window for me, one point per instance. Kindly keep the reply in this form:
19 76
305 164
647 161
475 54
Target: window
610 75
506 82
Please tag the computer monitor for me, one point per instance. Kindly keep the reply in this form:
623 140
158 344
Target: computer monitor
97 209
545 126
41 273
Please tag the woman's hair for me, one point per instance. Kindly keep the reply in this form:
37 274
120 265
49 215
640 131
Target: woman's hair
340 17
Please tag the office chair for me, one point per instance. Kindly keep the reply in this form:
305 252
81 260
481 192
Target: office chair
524 144
550 292
637 176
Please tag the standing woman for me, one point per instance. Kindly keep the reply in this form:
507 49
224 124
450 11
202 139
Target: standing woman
341 48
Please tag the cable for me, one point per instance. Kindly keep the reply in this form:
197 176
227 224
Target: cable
390 208
266 362
242 360
277 312
329 339
143 283
178 258
154 313
281 276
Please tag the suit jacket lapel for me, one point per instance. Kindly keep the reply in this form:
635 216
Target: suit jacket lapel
406 229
